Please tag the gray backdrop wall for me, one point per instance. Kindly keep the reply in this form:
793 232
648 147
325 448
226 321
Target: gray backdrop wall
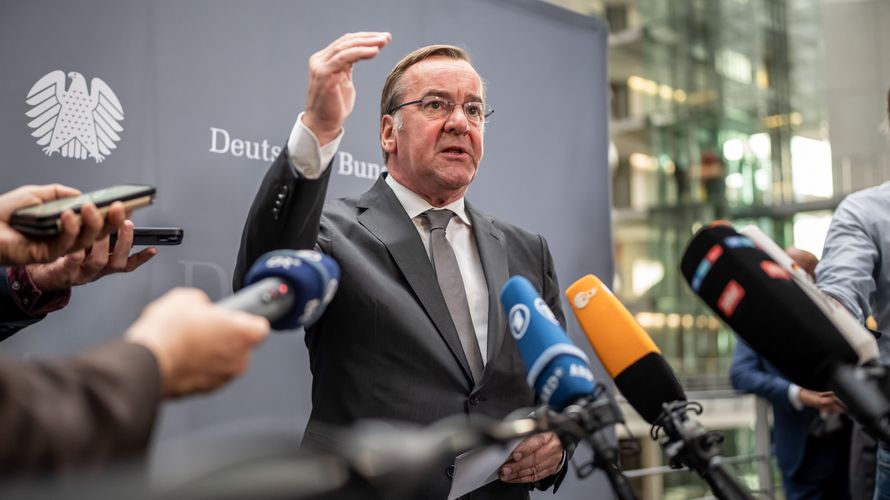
208 90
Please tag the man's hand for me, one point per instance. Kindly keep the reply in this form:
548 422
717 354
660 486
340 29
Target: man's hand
83 266
331 93
75 234
533 459
199 346
826 402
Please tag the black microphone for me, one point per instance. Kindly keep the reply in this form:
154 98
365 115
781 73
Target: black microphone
647 381
758 298
291 288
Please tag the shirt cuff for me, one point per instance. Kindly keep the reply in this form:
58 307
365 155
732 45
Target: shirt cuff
304 153
794 396
29 298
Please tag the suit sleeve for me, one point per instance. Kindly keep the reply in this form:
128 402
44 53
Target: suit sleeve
748 373
286 213
77 412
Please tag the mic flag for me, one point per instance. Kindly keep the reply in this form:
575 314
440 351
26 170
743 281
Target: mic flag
558 370
625 349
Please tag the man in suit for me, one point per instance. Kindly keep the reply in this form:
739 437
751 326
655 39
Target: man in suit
84 411
415 331
811 438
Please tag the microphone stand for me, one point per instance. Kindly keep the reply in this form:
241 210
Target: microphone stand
687 443
865 390
588 419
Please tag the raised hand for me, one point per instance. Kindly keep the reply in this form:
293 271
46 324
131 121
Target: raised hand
331 93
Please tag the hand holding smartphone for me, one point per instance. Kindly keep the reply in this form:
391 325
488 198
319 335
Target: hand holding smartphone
43 220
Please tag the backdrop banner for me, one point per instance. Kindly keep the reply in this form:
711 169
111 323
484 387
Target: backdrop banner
197 99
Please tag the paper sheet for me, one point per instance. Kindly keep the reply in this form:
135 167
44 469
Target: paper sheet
478 467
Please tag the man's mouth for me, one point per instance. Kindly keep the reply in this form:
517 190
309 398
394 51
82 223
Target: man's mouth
455 150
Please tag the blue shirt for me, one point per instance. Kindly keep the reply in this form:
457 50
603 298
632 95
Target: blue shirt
853 269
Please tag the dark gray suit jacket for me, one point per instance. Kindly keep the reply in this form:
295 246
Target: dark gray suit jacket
386 347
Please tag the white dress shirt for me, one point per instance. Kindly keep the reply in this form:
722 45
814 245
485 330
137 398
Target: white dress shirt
310 160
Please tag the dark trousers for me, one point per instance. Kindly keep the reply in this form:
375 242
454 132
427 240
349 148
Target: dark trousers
863 464
823 474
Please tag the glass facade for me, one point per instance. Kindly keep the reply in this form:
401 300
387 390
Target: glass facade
717 113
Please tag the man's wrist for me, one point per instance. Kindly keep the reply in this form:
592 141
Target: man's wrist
305 153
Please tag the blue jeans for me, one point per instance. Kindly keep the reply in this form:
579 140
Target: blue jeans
882 476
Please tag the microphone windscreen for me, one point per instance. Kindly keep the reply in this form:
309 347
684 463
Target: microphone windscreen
558 370
626 351
306 271
757 298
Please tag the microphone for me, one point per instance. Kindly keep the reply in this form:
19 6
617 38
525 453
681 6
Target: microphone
649 384
560 374
291 288
627 352
558 370
767 308
860 339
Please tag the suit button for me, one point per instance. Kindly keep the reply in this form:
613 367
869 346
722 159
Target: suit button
284 190
275 212
474 399
449 471
278 203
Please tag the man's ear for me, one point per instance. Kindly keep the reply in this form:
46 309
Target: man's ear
388 134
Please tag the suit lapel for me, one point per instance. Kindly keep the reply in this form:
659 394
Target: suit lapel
493 254
386 219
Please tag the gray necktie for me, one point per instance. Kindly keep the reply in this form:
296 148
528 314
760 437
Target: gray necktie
452 285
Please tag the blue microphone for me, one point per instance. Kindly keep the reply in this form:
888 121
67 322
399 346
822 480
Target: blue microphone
558 370
289 287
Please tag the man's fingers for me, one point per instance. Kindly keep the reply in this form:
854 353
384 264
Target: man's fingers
96 259
528 447
346 51
63 242
350 40
353 55
121 251
139 258
91 223
113 218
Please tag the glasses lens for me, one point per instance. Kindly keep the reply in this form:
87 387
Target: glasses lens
436 107
475 111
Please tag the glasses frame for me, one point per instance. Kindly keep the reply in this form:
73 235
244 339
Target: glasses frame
487 111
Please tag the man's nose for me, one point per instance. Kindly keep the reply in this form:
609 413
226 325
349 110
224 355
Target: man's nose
457 122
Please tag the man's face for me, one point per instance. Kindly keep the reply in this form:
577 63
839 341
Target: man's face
436 158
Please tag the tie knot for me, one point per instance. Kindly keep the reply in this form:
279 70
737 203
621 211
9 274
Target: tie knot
438 219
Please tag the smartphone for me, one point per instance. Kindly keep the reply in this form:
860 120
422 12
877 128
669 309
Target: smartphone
152 236
44 219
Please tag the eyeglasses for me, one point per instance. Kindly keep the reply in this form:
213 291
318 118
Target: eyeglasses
435 107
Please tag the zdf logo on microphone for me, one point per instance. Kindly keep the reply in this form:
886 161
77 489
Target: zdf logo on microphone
77 122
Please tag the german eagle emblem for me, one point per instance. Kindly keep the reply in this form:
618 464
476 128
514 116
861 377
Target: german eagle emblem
78 122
